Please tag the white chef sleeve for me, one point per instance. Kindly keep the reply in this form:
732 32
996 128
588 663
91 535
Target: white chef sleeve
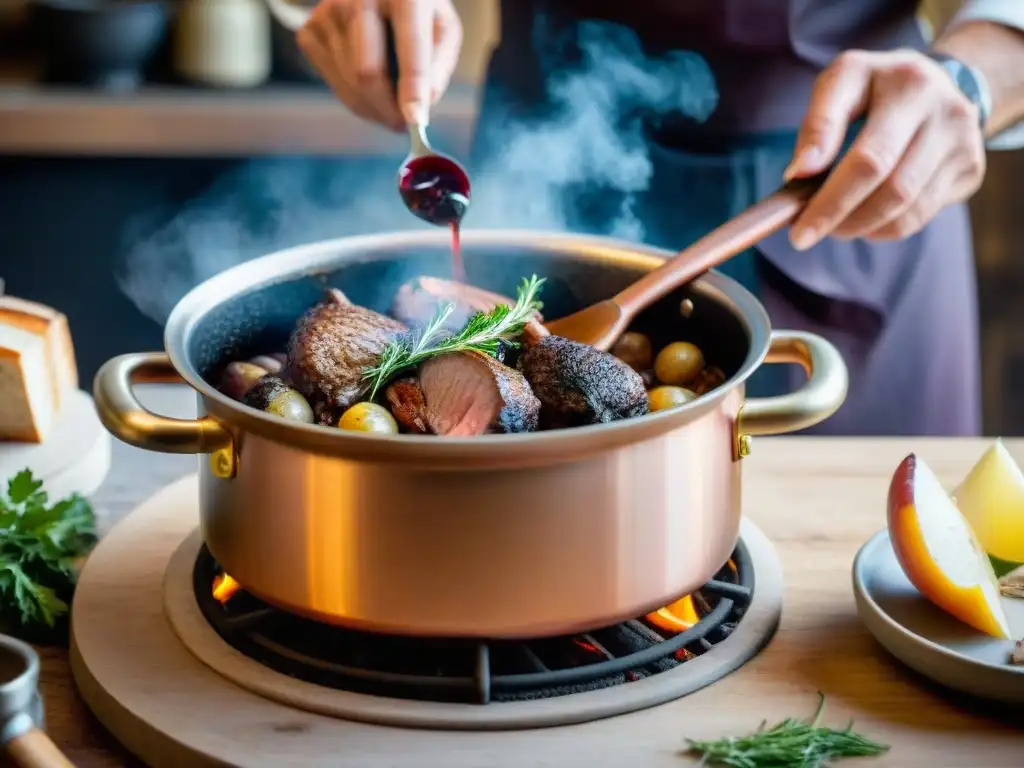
1010 13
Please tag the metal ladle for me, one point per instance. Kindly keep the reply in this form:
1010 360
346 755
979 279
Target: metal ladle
433 186
21 710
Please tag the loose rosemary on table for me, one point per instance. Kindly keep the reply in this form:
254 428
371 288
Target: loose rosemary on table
789 744
484 332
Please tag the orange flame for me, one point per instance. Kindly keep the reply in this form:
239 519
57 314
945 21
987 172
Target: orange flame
678 617
224 588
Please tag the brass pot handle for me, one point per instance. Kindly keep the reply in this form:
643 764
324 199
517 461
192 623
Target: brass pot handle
128 420
815 401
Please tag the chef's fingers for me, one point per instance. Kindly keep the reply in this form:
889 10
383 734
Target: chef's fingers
343 90
315 41
914 218
343 14
367 42
447 46
326 25
839 96
313 35
892 123
413 22
904 186
955 179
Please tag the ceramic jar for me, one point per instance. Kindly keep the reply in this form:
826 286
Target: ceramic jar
223 43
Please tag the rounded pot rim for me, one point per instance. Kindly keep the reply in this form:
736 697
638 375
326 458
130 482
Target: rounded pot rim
325 256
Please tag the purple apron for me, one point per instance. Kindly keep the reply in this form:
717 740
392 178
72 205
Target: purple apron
903 314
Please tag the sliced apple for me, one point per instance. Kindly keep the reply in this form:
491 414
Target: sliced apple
991 497
939 552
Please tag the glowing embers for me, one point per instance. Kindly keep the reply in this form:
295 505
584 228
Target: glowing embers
458 670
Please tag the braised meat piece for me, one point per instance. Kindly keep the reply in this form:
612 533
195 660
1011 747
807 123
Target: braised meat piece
405 399
577 384
417 302
470 393
331 346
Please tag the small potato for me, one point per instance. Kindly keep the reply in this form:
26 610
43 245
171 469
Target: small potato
369 417
679 363
291 405
272 395
634 349
269 363
663 398
238 378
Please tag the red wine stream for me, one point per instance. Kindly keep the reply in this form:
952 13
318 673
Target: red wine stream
458 268
436 189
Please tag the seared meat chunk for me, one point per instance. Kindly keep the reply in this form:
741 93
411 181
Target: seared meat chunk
470 393
577 384
333 343
417 302
405 399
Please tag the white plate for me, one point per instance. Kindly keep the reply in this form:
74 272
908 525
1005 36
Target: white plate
75 457
926 638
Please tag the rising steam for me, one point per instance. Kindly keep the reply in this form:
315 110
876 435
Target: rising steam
594 140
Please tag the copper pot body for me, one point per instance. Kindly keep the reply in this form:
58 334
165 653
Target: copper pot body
500 536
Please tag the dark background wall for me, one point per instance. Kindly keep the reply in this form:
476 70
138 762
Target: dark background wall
68 224
61 227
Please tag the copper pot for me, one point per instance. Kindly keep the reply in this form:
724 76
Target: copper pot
497 536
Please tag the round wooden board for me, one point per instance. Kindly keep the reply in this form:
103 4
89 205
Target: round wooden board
75 457
171 709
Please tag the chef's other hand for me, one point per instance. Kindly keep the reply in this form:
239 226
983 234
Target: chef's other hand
920 148
346 41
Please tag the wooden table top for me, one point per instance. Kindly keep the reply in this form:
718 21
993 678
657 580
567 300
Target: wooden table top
817 499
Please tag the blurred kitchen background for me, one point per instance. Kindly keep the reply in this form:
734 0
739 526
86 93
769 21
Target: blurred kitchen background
141 133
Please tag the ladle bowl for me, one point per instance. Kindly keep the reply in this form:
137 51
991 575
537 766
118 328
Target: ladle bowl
433 186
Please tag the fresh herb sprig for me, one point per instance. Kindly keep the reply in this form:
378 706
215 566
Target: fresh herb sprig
789 744
484 332
39 543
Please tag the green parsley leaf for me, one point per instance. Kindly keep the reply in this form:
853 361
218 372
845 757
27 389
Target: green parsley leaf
39 544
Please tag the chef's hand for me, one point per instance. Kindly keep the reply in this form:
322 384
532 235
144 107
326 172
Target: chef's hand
346 41
920 148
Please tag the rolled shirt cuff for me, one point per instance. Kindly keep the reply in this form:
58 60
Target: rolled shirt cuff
1009 13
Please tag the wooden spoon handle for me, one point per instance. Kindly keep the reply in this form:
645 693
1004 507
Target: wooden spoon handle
735 236
34 749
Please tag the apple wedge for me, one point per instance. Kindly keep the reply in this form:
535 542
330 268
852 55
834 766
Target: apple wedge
991 497
938 551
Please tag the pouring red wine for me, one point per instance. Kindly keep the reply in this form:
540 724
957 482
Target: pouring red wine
433 186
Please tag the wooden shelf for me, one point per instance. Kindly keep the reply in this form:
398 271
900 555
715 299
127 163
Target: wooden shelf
182 121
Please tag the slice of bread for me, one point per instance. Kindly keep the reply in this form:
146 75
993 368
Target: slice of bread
37 368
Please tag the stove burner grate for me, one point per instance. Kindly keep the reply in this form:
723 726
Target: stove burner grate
471 671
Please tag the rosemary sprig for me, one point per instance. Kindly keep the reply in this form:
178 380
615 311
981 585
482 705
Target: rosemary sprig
484 332
789 744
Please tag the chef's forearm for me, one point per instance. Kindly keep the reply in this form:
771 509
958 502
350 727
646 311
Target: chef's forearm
997 51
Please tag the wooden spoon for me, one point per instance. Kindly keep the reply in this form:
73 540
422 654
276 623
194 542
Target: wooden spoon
601 324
